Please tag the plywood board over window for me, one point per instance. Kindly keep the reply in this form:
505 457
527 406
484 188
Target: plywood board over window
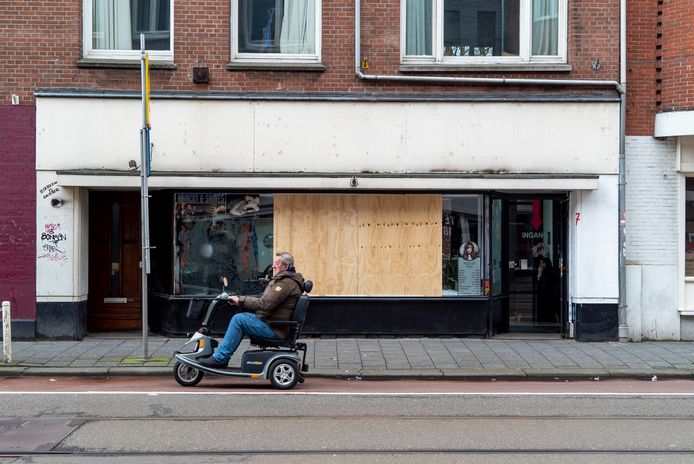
373 245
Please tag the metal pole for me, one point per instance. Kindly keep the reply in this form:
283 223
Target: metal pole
144 200
6 332
623 331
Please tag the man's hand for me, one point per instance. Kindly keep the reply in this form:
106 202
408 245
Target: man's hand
234 300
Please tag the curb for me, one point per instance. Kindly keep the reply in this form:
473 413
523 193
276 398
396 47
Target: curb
472 374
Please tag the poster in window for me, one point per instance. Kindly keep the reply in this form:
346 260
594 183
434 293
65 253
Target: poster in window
469 269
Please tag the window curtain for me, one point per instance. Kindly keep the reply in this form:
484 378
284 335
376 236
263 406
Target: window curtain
111 29
545 27
298 34
418 27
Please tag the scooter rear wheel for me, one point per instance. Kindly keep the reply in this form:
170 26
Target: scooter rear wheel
186 375
283 374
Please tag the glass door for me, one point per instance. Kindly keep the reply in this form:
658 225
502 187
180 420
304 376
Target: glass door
536 231
499 299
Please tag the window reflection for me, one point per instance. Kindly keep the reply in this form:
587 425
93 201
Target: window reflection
218 235
462 246
689 229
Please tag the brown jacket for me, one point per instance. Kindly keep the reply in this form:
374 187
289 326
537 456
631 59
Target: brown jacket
277 301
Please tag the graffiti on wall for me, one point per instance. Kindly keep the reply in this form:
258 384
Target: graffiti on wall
53 243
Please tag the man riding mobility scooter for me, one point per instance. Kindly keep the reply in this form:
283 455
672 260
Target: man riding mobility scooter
277 360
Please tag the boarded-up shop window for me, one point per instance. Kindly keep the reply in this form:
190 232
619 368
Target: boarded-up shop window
372 245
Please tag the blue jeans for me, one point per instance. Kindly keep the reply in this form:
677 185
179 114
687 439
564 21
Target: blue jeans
241 324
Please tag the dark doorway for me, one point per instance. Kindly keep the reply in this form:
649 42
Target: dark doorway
115 291
528 262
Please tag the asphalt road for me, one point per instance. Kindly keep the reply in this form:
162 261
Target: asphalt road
46 420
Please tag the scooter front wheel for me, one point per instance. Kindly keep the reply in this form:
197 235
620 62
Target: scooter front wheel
186 375
284 374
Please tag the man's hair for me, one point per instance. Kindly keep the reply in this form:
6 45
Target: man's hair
286 258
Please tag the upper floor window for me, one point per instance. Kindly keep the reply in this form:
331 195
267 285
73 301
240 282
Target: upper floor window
484 31
112 28
276 30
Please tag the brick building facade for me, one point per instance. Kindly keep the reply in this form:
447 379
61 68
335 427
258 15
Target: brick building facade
659 134
306 127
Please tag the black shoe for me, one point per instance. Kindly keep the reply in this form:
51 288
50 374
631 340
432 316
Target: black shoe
213 363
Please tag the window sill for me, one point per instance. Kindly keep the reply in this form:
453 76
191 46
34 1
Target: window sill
123 64
515 67
265 66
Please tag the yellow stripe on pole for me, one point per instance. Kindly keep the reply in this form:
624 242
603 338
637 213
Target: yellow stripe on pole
147 89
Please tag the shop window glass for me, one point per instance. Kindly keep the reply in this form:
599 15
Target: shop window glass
689 230
220 234
462 245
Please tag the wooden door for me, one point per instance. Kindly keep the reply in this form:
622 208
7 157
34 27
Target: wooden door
115 286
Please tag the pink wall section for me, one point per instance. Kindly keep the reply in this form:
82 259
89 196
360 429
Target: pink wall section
18 209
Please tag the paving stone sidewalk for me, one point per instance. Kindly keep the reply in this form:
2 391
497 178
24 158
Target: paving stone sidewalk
379 358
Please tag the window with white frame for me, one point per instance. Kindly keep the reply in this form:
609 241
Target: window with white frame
112 28
689 228
484 31
276 30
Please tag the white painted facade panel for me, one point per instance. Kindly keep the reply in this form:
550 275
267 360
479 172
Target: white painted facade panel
55 230
660 319
320 137
594 244
653 210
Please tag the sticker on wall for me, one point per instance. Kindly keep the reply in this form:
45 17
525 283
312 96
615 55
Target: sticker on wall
49 189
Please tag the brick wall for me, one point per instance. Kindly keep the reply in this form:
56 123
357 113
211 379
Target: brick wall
652 201
652 245
660 60
42 43
18 211
641 73
677 56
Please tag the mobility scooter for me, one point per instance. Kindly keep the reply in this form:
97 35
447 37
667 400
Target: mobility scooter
276 360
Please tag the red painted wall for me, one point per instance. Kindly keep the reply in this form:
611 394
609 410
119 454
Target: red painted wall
18 211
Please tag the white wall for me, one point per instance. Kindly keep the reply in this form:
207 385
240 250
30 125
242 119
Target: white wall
652 207
594 244
271 136
61 242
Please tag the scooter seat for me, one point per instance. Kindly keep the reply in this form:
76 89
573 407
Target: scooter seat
271 342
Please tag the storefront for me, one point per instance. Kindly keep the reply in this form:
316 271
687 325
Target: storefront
474 235
396 264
